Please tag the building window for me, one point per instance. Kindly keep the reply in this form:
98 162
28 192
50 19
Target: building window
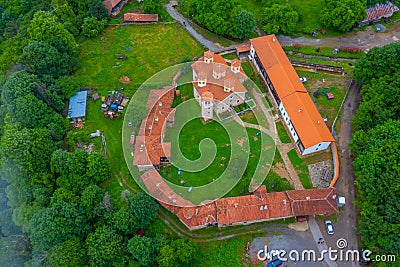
316 149
223 108
237 101
291 129
319 144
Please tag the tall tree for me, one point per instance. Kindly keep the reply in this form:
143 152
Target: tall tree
144 207
343 15
44 27
104 247
97 10
69 253
280 18
245 23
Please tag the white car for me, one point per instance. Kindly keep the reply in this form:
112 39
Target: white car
329 227
303 79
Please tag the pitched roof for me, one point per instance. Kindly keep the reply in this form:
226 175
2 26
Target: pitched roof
149 146
77 105
308 123
243 48
110 4
136 17
216 86
313 201
306 119
252 208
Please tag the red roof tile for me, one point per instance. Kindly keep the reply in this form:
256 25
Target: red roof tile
136 17
243 48
308 123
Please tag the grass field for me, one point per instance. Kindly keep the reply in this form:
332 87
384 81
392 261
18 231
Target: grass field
282 133
325 52
147 56
301 168
189 140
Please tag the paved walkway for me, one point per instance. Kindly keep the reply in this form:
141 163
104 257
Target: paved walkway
316 232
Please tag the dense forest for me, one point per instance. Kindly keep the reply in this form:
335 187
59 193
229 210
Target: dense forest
376 147
52 210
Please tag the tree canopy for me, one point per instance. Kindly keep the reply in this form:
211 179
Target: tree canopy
343 15
280 18
144 207
245 23
376 144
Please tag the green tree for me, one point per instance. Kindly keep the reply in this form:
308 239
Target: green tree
180 252
44 59
104 246
144 207
91 201
44 27
143 249
376 170
98 167
343 15
69 253
379 61
92 27
152 6
245 23
280 18
69 85
123 221
60 222
97 10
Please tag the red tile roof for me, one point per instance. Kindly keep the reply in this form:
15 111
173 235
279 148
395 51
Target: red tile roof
308 123
215 86
136 17
149 146
313 201
260 206
110 4
243 48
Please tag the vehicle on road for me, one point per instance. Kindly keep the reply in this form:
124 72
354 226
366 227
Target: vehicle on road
275 263
329 227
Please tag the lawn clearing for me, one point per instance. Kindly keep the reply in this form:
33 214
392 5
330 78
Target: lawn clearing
148 54
282 133
301 168
325 52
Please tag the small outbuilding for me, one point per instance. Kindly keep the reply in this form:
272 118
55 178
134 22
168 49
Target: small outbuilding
140 18
77 106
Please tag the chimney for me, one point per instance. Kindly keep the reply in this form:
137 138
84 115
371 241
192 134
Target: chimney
228 85
208 57
235 66
201 80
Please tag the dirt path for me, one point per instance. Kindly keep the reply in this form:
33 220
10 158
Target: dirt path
362 39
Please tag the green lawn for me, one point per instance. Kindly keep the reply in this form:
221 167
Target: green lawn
325 52
282 133
189 139
301 168
150 51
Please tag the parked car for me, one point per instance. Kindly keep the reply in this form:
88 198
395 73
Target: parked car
329 227
275 263
303 79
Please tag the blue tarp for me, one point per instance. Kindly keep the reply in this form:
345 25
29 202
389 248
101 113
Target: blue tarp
77 105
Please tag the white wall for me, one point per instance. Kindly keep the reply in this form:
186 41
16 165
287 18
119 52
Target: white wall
316 148
288 123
